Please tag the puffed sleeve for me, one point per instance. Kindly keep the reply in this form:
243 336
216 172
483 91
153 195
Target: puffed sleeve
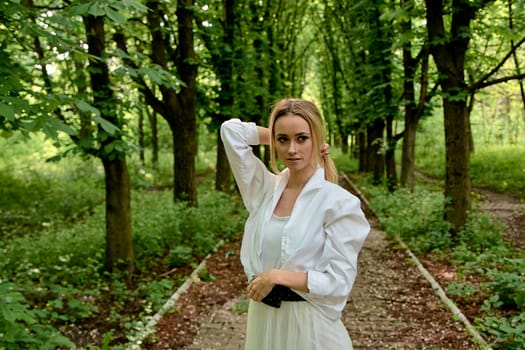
346 229
249 172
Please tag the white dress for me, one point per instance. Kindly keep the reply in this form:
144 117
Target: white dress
322 237
295 325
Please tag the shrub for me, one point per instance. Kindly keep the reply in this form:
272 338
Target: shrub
20 327
415 217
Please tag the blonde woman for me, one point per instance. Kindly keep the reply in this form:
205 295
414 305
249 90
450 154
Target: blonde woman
303 234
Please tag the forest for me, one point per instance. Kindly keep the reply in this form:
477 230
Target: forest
111 166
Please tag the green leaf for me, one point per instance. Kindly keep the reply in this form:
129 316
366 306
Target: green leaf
61 126
86 108
7 111
109 127
80 9
115 16
97 9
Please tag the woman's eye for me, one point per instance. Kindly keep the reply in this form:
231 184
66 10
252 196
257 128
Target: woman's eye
302 138
281 139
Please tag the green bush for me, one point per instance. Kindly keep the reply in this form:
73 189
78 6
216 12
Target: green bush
58 268
478 249
21 327
509 332
415 217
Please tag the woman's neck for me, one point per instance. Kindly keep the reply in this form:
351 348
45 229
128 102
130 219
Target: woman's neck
298 179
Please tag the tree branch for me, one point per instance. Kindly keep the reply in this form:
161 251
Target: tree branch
481 83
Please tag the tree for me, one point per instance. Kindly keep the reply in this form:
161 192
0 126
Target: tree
449 49
414 105
88 113
218 34
178 101
119 245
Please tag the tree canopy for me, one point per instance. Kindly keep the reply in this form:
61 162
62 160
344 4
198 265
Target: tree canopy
77 70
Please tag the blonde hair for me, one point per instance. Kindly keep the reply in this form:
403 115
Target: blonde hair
309 112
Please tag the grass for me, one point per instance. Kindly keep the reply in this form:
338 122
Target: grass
479 252
501 168
53 240
497 167
52 225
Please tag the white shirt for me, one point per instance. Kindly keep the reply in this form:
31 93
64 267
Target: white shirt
271 247
323 235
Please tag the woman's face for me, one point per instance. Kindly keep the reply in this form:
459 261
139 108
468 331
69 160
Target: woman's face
293 142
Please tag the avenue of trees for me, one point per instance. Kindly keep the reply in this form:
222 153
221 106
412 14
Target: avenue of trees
85 72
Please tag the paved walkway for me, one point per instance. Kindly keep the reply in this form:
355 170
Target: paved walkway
372 315
391 305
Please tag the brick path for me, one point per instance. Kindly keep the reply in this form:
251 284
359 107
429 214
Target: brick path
374 316
368 315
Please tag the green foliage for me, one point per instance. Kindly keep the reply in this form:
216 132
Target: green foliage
36 194
344 163
179 256
415 217
156 292
479 249
58 267
509 332
496 167
21 327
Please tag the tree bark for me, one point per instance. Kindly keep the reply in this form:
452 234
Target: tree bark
374 149
408 153
185 127
178 108
515 58
449 55
119 244
223 66
152 117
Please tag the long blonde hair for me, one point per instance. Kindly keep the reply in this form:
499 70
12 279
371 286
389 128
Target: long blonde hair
309 112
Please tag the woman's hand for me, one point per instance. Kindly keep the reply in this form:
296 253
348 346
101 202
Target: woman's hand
261 285
325 149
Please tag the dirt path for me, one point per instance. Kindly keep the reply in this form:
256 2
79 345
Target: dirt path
391 306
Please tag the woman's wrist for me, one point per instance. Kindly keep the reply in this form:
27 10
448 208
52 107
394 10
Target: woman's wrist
264 135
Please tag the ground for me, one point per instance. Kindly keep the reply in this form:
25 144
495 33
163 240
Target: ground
391 306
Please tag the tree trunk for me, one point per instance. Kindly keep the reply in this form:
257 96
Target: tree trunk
119 243
409 152
179 109
185 130
223 173
361 150
449 52
224 69
390 156
515 58
457 178
152 117
119 246
374 150
140 135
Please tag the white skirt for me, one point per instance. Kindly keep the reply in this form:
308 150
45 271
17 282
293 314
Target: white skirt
293 326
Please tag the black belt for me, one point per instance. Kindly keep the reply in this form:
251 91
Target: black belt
281 293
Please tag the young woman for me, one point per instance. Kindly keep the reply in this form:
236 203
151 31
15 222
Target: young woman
303 234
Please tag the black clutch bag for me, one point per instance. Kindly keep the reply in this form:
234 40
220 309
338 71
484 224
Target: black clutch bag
280 293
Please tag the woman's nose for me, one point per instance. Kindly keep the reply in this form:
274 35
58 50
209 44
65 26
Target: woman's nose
292 148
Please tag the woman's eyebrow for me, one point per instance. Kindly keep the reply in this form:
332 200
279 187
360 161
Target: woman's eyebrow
302 133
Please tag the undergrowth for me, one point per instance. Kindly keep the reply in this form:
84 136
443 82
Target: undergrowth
478 250
53 284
